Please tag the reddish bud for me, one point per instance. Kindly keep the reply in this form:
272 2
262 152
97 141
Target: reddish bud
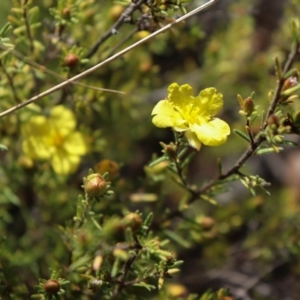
248 106
52 287
133 221
66 12
274 120
95 185
109 166
207 223
71 60
289 83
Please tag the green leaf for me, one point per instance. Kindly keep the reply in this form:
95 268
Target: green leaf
292 90
187 161
3 147
270 150
242 135
8 196
177 264
209 199
176 238
148 220
289 143
79 263
5 30
96 223
157 161
145 285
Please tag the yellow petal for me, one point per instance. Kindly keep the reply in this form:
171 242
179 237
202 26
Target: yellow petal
193 139
212 133
209 102
180 96
62 120
36 148
36 126
75 144
166 116
64 163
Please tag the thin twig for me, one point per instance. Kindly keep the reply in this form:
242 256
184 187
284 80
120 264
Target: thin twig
121 282
126 38
54 74
114 29
101 64
195 195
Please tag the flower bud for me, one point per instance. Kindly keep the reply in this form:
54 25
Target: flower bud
133 221
289 83
109 166
116 11
273 120
206 223
95 185
66 12
71 60
248 106
142 34
170 150
52 287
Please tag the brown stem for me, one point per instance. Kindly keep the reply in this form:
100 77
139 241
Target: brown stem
127 38
121 282
256 142
114 29
249 131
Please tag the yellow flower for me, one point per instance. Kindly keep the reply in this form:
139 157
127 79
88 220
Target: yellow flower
193 115
54 139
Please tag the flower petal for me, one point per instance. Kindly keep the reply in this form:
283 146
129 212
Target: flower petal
209 101
212 133
36 148
166 116
62 120
180 96
63 163
193 139
36 126
75 144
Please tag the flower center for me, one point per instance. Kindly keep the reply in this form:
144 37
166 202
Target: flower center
57 140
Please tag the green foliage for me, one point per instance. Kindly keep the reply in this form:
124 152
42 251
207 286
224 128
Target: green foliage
90 206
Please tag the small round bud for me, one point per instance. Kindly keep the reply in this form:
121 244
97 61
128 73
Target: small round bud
116 11
142 34
95 185
273 120
170 150
66 12
71 60
52 287
289 83
109 166
146 66
133 221
206 223
248 106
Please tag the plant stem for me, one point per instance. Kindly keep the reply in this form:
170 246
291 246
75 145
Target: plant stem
114 29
